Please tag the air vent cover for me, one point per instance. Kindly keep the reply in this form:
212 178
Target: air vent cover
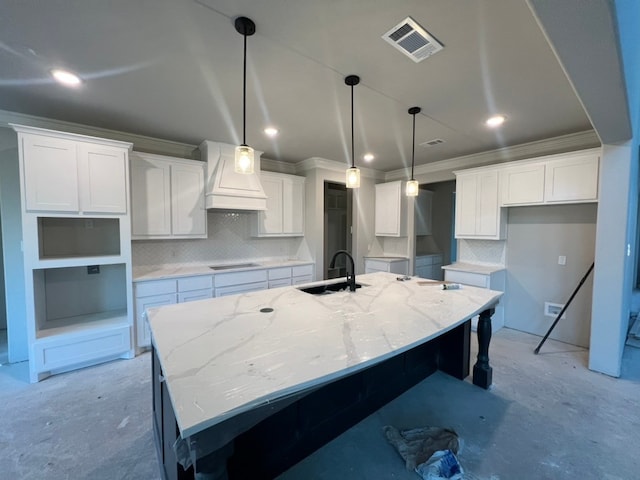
432 143
412 40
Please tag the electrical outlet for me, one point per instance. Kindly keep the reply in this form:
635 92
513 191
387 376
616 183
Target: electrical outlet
562 260
88 223
93 269
553 309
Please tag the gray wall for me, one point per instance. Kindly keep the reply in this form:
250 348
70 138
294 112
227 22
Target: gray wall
538 235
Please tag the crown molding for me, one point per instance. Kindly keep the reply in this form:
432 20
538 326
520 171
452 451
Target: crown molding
278 166
140 142
318 162
550 146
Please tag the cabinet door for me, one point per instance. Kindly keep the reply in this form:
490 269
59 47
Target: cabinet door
270 220
188 215
102 178
466 198
293 207
50 173
573 180
389 212
522 185
423 212
150 197
143 332
488 206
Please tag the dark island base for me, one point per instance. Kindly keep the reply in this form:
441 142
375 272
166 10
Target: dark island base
283 439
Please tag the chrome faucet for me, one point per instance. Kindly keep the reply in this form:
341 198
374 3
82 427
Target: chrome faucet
351 279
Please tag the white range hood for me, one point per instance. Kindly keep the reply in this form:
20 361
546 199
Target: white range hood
227 189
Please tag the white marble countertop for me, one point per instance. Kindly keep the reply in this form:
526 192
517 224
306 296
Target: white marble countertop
159 272
222 356
474 268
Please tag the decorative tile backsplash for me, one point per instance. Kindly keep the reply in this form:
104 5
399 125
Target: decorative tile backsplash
490 252
229 240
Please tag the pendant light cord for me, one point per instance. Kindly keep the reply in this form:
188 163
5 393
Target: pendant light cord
413 145
244 93
353 161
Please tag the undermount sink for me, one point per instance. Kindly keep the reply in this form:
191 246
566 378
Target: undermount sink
229 267
328 288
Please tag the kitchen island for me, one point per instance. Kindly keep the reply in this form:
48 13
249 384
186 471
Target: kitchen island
247 385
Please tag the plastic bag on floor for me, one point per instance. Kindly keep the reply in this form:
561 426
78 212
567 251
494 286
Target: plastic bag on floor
442 465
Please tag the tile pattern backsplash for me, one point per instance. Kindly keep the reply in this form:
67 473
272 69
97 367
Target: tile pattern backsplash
490 252
229 240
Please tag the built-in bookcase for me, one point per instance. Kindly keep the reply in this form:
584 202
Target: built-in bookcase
76 231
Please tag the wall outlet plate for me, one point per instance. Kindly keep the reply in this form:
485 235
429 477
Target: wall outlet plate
553 309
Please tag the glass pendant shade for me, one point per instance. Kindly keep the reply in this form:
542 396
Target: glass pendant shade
353 177
244 159
412 188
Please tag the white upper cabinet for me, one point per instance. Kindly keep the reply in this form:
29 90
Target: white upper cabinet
284 216
478 213
573 179
167 197
424 200
564 178
73 173
522 184
390 210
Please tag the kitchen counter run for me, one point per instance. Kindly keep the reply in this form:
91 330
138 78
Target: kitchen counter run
223 356
160 272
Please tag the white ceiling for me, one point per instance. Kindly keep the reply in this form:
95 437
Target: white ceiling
173 70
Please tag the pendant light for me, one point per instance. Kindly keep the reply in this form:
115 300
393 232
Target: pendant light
244 153
353 173
412 185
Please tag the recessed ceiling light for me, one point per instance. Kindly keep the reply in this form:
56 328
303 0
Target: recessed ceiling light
66 78
368 157
495 121
271 131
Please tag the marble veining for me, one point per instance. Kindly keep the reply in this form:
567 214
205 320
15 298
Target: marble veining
222 356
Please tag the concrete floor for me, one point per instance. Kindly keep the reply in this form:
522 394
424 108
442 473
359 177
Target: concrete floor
546 417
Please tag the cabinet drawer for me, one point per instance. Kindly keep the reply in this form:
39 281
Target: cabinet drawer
244 288
467 278
156 287
279 273
376 265
281 282
239 278
194 295
58 352
300 270
301 279
195 283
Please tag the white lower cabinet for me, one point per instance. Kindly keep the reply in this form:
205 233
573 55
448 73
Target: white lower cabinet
301 274
494 280
279 277
240 282
392 265
429 266
157 293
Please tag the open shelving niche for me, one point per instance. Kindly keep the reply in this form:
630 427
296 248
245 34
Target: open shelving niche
82 306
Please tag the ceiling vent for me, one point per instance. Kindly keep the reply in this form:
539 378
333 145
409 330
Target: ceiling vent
412 40
432 143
